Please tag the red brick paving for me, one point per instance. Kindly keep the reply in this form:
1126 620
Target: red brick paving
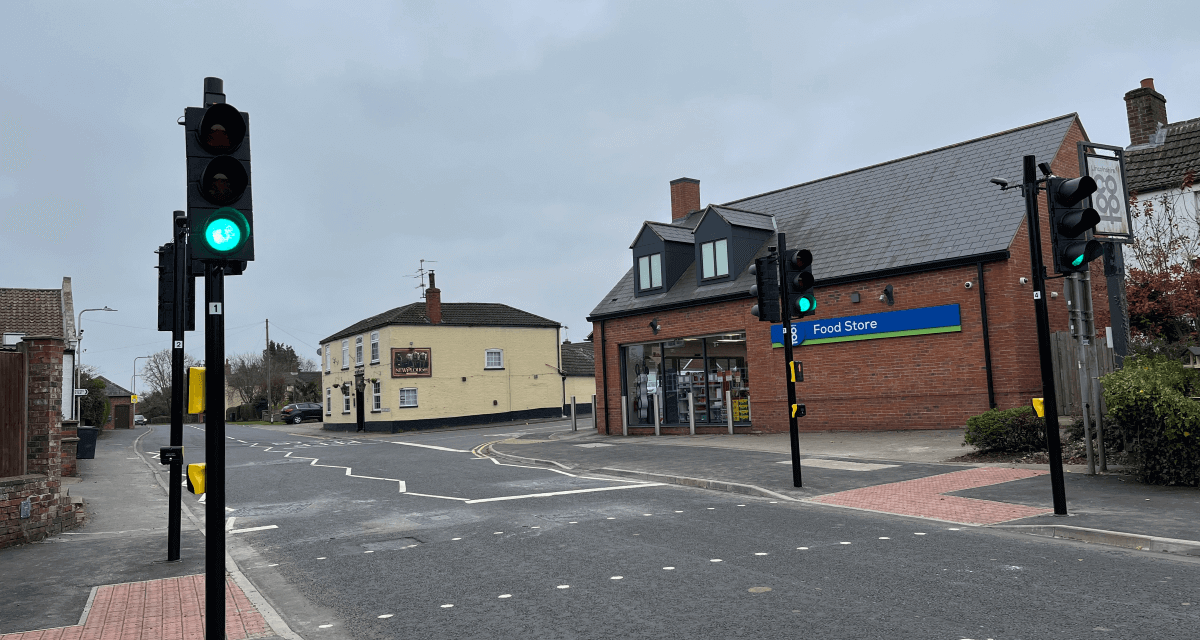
924 497
168 609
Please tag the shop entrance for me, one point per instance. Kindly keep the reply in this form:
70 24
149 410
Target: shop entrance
703 368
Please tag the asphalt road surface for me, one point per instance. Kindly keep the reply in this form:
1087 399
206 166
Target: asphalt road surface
417 536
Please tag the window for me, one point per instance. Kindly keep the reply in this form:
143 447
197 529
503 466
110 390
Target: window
493 359
345 403
650 271
408 397
374 347
345 354
358 351
714 258
375 399
328 400
325 350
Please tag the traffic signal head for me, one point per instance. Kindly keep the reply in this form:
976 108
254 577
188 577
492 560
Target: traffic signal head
801 298
1071 223
220 211
765 290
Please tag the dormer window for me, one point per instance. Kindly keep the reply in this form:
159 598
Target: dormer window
714 258
650 271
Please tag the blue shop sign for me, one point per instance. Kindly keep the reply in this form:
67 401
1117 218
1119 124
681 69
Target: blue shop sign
889 324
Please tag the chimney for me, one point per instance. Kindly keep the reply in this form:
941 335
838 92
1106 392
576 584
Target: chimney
433 302
685 197
1146 109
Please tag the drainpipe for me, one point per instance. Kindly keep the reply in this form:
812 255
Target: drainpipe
987 344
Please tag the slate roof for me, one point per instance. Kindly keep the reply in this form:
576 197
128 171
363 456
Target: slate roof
114 390
665 231
463 314
579 359
743 218
34 312
1162 166
890 216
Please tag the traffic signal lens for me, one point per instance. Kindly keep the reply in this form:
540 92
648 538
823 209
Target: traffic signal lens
224 181
226 231
222 129
805 305
1077 261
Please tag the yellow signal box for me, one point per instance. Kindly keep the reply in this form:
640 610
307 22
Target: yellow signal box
1039 407
799 411
195 478
196 390
796 371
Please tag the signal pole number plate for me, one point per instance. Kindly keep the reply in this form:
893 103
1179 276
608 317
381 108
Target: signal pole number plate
214 308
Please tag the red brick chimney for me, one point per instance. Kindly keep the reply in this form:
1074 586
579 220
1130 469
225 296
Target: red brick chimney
685 197
433 302
1146 109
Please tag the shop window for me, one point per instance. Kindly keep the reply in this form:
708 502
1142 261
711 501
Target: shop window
714 258
700 368
408 397
650 272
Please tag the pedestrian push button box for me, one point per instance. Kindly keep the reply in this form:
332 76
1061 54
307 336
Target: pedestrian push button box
170 455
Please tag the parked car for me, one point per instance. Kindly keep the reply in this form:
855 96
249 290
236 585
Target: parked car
139 419
301 411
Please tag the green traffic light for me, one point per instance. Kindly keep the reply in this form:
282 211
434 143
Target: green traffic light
227 230
806 304
1077 261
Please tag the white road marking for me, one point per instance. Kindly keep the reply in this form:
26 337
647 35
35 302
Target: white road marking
616 578
678 512
497 533
715 560
447 606
563 493
432 446
321 558
668 568
456 538
712 508
843 543
504 595
918 534
591 445
249 529
953 529
324 626
564 586
385 616
430 495
760 553
572 522
842 465
230 509
368 552
884 538
229 522
802 548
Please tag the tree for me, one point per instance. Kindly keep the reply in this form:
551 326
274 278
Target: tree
156 373
94 407
246 376
1163 280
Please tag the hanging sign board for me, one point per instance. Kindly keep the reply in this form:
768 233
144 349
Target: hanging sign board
1111 200
889 324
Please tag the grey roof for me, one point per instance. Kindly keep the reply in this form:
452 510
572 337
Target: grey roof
34 312
467 314
930 207
112 389
579 359
666 231
741 218
1156 167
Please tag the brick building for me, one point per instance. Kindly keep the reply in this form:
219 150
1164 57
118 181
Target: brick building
120 405
924 246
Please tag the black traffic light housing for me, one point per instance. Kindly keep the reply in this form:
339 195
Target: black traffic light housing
801 297
220 209
166 292
765 289
1071 223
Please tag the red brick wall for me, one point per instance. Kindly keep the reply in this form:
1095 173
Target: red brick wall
911 382
113 402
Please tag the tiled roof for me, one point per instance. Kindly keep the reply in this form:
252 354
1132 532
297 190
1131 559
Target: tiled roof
930 207
579 359
467 314
34 312
112 389
1162 166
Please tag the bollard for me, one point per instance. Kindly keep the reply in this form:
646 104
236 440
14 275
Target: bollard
729 412
574 424
657 432
692 413
624 412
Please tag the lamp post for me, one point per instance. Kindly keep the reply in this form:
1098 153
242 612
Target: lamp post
79 351
133 382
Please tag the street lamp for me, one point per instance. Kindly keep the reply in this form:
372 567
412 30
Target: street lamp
79 351
133 383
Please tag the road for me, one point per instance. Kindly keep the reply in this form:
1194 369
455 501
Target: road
417 536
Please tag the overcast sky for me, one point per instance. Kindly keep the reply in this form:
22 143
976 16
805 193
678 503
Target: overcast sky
517 144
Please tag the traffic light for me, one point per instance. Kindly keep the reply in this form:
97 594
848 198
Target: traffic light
220 213
1071 222
801 299
166 292
765 289
196 390
196 474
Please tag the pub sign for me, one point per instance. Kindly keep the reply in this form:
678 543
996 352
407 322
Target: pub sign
411 363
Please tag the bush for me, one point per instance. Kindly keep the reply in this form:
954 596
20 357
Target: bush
1149 400
1006 430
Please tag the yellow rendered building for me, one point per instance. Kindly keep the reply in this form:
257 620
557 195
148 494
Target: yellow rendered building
429 364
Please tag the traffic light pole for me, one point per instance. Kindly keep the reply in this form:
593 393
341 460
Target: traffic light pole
1030 190
174 487
786 316
214 450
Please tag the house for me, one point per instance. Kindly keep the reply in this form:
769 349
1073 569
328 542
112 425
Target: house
430 364
579 375
120 402
44 312
925 314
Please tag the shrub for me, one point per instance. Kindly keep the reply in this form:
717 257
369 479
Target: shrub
1149 400
1006 430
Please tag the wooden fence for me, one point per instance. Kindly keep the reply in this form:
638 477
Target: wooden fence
12 414
1067 370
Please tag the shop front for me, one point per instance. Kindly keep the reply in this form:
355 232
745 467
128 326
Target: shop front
699 381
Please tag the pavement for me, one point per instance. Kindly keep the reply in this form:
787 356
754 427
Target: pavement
904 473
109 578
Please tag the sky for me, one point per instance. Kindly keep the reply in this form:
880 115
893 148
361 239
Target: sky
516 147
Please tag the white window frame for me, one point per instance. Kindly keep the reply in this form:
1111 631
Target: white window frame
403 402
488 352
346 403
714 259
328 401
374 347
376 398
327 358
358 344
346 353
650 269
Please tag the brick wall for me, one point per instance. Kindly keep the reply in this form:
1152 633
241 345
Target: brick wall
911 382
50 511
